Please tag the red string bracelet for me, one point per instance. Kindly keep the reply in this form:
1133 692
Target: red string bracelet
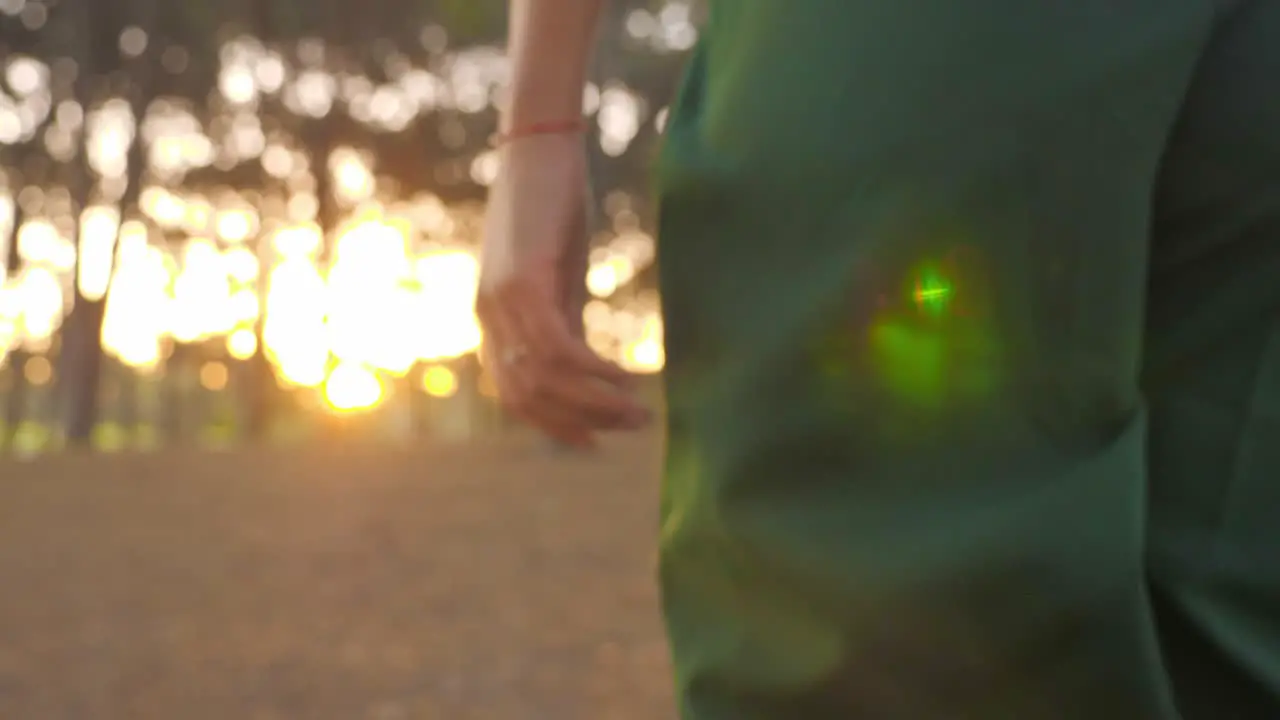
555 127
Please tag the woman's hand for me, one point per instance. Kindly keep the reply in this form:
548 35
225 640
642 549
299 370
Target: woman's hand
532 291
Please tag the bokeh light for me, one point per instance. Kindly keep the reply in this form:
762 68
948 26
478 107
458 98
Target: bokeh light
221 246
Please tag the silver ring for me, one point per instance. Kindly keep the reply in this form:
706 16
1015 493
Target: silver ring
513 355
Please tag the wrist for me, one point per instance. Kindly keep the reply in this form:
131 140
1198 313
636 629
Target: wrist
565 127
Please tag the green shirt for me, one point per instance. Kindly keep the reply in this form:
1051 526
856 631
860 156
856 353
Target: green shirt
905 251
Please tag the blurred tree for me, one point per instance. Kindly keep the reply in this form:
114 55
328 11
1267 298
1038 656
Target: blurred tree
117 61
22 165
160 56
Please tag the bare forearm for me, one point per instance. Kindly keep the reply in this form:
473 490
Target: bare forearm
550 44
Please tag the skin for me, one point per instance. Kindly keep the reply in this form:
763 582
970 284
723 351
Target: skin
535 241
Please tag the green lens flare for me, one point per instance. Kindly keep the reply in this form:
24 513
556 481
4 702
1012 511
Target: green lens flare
932 293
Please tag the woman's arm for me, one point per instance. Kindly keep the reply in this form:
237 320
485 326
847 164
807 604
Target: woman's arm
550 44
535 243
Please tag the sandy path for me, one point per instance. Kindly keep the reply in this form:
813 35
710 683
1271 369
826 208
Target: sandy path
489 581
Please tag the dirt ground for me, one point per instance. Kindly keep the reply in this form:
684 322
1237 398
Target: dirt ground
497 581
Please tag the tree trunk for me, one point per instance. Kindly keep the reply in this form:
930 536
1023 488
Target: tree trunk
79 360
85 362
15 406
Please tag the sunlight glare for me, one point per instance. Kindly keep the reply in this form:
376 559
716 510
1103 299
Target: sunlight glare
352 388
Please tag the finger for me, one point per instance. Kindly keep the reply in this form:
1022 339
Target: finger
568 407
544 390
502 329
500 334
543 325
574 424
521 393
561 426
541 394
598 403
568 429
551 419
